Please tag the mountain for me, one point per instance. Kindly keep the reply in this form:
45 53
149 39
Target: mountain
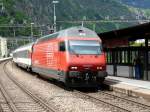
137 3
77 10
69 13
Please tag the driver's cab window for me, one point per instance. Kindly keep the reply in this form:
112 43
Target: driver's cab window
62 46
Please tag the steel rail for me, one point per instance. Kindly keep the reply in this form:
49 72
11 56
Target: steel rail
33 96
140 104
8 99
107 103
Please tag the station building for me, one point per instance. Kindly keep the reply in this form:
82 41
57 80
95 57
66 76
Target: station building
3 47
121 55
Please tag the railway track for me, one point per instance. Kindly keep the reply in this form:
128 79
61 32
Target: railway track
118 103
113 107
110 102
127 99
17 97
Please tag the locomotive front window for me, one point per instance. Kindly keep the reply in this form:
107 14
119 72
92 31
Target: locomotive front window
62 46
85 47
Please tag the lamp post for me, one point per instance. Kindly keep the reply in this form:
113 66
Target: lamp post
32 31
55 2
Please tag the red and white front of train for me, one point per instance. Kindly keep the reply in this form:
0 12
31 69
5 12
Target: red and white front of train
84 60
73 56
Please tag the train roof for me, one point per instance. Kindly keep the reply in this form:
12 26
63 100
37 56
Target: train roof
77 31
27 46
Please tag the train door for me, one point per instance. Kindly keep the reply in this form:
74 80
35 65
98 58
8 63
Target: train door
61 62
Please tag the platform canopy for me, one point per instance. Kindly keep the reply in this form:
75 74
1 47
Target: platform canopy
120 38
141 31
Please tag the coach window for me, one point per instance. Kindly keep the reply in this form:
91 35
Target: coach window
62 46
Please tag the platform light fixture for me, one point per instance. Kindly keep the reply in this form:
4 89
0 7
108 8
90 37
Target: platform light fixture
55 2
32 31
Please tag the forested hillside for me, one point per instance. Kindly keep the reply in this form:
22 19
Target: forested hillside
40 12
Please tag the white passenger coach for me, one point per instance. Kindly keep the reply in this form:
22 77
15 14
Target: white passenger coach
22 56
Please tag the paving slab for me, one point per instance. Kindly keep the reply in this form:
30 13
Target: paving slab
130 87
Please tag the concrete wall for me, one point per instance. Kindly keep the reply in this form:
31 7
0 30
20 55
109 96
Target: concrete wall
124 71
109 69
145 75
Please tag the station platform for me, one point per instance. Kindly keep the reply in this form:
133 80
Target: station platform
131 87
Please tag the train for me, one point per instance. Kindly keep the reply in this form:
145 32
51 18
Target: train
73 56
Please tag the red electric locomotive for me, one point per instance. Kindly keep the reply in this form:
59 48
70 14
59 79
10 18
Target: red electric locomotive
73 56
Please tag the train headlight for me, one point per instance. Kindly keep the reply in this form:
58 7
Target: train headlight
73 68
99 68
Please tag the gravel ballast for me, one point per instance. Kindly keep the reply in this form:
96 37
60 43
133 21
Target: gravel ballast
64 101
